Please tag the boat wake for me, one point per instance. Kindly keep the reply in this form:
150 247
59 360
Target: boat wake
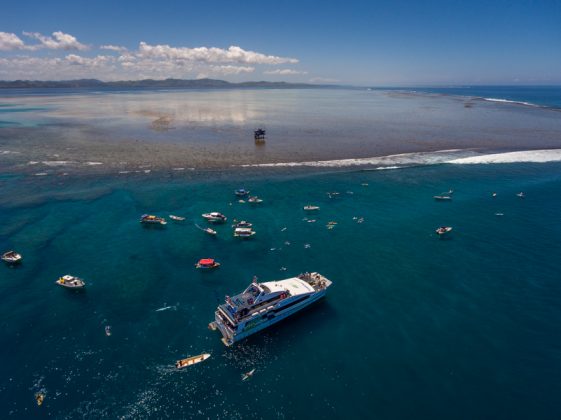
166 308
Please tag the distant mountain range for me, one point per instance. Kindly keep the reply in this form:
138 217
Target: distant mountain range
149 83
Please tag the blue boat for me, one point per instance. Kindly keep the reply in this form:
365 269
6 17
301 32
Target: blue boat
242 192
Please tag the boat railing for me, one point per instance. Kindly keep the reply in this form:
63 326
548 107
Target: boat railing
261 307
316 280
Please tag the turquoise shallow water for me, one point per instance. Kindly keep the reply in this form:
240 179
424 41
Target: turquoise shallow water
413 326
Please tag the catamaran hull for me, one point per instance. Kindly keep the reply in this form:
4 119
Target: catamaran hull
249 329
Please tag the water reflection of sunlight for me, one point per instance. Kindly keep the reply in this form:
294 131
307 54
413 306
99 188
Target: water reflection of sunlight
182 107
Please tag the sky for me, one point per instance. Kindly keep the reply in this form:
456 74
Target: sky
366 43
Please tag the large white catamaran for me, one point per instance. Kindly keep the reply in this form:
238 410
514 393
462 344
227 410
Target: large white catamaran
261 305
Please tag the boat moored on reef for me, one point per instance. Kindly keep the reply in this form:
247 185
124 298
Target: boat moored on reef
12 258
443 230
149 219
189 361
242 224
207 230
309 207
214 217
261 305
242 192
254 200
71 282
207 263
244 232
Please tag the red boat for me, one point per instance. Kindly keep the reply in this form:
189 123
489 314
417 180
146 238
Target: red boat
207 263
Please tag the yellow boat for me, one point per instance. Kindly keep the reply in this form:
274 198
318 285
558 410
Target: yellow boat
180 364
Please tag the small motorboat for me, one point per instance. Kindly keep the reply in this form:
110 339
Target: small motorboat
214 217
242 192
71 282
207 263
242 224
442 230
108 330
149 219
176 218
520 194
207 230
309 207
494 195
12 257
247 375
442 197
244 232
39 397
254 200
180 364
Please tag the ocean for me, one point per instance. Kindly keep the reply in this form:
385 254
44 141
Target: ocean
540 96
414 326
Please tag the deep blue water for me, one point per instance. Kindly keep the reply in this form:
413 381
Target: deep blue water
414 326
547 96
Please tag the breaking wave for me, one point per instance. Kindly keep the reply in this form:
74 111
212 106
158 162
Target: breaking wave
381 162
527 156
404 160
508 101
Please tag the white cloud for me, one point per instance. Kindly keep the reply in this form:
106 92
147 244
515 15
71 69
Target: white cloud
9 42
285 72
113 48
87 61
233 54
229 69
58 41
120 63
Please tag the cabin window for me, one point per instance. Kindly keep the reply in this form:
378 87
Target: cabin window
296 302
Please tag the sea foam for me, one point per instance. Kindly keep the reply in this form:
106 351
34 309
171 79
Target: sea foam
526 156
508 101
382 162
404 160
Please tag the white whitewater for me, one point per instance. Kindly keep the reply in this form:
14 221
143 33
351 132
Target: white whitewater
526 156
383 162
403 160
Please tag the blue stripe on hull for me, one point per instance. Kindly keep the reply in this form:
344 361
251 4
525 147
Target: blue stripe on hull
244 334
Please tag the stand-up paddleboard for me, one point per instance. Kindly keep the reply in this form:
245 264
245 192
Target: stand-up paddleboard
248 375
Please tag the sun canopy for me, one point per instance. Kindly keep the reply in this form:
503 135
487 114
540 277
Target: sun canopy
206 261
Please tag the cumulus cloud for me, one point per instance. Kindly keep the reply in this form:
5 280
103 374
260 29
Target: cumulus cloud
58 41
113 48
233 54
9 42
285 72
115 62
229 69
87 61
